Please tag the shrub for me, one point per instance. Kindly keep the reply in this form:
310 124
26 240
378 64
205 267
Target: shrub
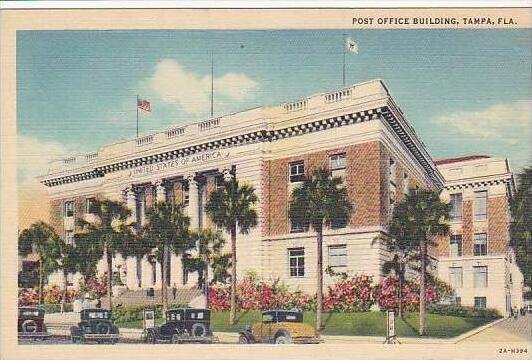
96 287
462 311
28 296
54 295
349 295
55 308
129 313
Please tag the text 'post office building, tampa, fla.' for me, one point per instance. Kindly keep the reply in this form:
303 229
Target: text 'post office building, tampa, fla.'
360 134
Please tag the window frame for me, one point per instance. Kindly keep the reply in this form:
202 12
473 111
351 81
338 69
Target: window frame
482 299
69 239
481 247
460 247
461 273
66 211
341 155
484 215
338 256
299 266
476 272
454 217
89 205
300 175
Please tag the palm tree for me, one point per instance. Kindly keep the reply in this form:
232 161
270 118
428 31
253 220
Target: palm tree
210 244
167 229
521 227
398 264
416 220
320 201
67 260
107 235
37 238
232 208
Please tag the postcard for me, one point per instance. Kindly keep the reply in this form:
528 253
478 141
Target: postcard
325 183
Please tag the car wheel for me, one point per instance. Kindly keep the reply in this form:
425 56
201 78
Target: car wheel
150 338
283 339
175 339
243 339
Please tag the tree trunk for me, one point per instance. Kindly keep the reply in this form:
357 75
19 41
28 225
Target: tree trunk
206 283
164 287
41 280
232 313
109 278
400 296
319 276
65 284
422 289
139 270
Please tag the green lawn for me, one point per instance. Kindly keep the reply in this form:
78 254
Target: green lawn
355 324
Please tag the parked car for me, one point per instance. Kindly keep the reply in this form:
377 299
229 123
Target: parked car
182 325
95 325
31 323
280 327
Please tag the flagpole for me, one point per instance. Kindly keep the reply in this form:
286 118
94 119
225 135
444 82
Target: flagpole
137 106
343 68
212 83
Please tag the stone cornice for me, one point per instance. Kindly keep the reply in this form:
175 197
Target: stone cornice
397 124
479 182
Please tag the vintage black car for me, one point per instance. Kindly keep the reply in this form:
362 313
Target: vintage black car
95 325
31 323
182 326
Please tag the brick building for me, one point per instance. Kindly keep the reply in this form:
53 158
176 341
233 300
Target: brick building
358 132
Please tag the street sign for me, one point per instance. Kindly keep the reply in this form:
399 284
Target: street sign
391 337
148 318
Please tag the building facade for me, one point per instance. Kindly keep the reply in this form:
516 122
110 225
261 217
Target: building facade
359 133
477 259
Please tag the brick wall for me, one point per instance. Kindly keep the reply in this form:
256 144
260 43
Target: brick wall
498 219
467 228
56 216
366 182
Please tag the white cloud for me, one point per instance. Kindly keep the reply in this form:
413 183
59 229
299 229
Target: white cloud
496 121
191 92
235 86
34 155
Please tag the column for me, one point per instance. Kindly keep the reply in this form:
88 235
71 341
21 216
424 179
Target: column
193 210
161 191
131 262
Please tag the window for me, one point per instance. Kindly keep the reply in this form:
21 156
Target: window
297 226
480 245
338 161
456 207
297 171
481 198
296 261
480 276
69 208
455 245
480 302
338 255
458 300
456 277
89 205
69 237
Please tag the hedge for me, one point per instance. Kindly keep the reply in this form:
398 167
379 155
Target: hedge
462 311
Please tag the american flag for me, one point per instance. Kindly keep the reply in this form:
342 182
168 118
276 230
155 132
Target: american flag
144 105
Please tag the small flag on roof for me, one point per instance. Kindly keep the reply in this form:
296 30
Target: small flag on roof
144 105
351 45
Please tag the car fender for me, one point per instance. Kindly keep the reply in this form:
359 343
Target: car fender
248 335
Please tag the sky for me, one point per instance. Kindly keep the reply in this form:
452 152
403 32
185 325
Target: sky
464 91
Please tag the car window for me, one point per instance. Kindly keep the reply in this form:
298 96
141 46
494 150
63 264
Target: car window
200 315
267 318
290 316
